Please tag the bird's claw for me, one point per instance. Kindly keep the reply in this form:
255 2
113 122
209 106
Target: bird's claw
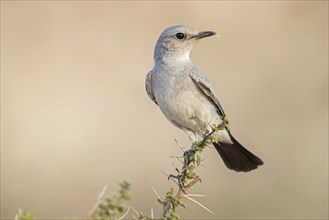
173 176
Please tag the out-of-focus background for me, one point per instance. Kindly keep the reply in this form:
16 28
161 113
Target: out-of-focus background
75 115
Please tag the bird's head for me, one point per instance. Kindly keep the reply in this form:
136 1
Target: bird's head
176 42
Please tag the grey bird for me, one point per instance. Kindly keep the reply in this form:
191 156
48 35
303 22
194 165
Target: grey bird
186 97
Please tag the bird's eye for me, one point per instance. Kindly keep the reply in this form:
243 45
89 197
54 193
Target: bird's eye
180 36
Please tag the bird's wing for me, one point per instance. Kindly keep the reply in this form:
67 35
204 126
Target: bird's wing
148 86
205 86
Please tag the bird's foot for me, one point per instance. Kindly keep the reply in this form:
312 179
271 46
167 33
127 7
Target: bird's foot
180 177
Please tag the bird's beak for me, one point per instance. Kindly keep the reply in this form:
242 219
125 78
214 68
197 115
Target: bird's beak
203 34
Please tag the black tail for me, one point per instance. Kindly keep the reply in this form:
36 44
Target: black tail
236 157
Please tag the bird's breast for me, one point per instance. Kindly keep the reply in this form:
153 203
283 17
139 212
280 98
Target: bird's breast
181 101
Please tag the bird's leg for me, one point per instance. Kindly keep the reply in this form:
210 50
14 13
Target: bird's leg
180 178
185 173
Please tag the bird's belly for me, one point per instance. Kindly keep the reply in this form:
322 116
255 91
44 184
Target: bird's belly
188 109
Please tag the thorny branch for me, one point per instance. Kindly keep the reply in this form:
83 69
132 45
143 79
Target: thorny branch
187 176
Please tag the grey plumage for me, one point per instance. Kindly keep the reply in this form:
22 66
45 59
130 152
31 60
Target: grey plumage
186 97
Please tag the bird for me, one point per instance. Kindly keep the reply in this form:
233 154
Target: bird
186 97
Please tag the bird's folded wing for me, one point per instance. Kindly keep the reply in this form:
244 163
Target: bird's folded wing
148 86
207 89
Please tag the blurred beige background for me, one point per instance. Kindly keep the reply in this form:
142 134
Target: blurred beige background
75 115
